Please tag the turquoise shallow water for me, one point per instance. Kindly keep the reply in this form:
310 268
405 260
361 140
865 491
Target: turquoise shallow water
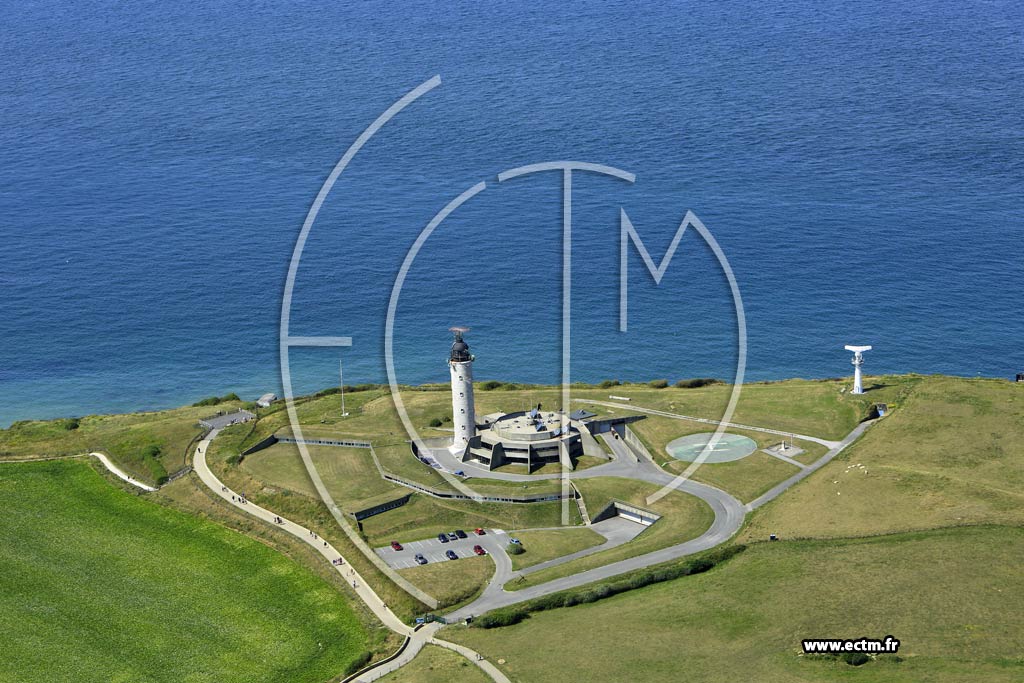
860 164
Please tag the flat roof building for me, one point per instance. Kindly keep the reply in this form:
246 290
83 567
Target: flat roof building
532 438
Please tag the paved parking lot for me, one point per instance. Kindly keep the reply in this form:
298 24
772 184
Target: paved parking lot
493 541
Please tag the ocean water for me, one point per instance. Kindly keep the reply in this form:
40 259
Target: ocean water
860 164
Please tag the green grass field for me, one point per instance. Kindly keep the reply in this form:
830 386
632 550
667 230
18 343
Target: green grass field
954 598
423 517
435 664
541 546
953 454
128 439
100 585
453 581
746 478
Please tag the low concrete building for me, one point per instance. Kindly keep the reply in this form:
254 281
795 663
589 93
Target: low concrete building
532 438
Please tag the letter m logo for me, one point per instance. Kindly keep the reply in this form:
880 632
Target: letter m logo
628 232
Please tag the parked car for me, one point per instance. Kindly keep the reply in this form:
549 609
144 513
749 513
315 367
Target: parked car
420 559
452 537
395 545
479 532
460 533
479 550
459 473
451 555
443 538
515 540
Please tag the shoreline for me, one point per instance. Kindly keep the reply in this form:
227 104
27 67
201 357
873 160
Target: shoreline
6 423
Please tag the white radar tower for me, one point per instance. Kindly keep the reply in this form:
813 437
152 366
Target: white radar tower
460 364
858 360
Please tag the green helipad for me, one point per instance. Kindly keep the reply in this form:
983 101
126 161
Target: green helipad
727 448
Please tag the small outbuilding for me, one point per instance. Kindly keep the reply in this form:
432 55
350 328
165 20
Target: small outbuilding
265 400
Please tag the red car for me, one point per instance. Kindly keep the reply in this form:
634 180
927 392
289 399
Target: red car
396 545
479 532
479 550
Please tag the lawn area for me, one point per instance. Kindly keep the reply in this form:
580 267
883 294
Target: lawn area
746 479
101 585
423 517
435 664
146 445
541 546
952 455
453 581
953 597
683 517
280 466
812 407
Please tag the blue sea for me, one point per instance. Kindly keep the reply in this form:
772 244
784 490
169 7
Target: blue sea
861 166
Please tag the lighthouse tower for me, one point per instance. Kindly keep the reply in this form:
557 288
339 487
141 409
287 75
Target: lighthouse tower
460 364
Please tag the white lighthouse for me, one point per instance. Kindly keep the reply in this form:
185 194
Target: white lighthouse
460 364
858 360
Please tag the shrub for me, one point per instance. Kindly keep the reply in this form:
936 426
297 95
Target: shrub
855 658
658 383
609 383
501 617
70 424
214 400
515 549
436 422
358 663
697 382
490 384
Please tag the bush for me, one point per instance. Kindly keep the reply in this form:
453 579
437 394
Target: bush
697 382
501 617
855 658
70 424
490 384
359 662
214 400
609 383
436 422
658 383
515 549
